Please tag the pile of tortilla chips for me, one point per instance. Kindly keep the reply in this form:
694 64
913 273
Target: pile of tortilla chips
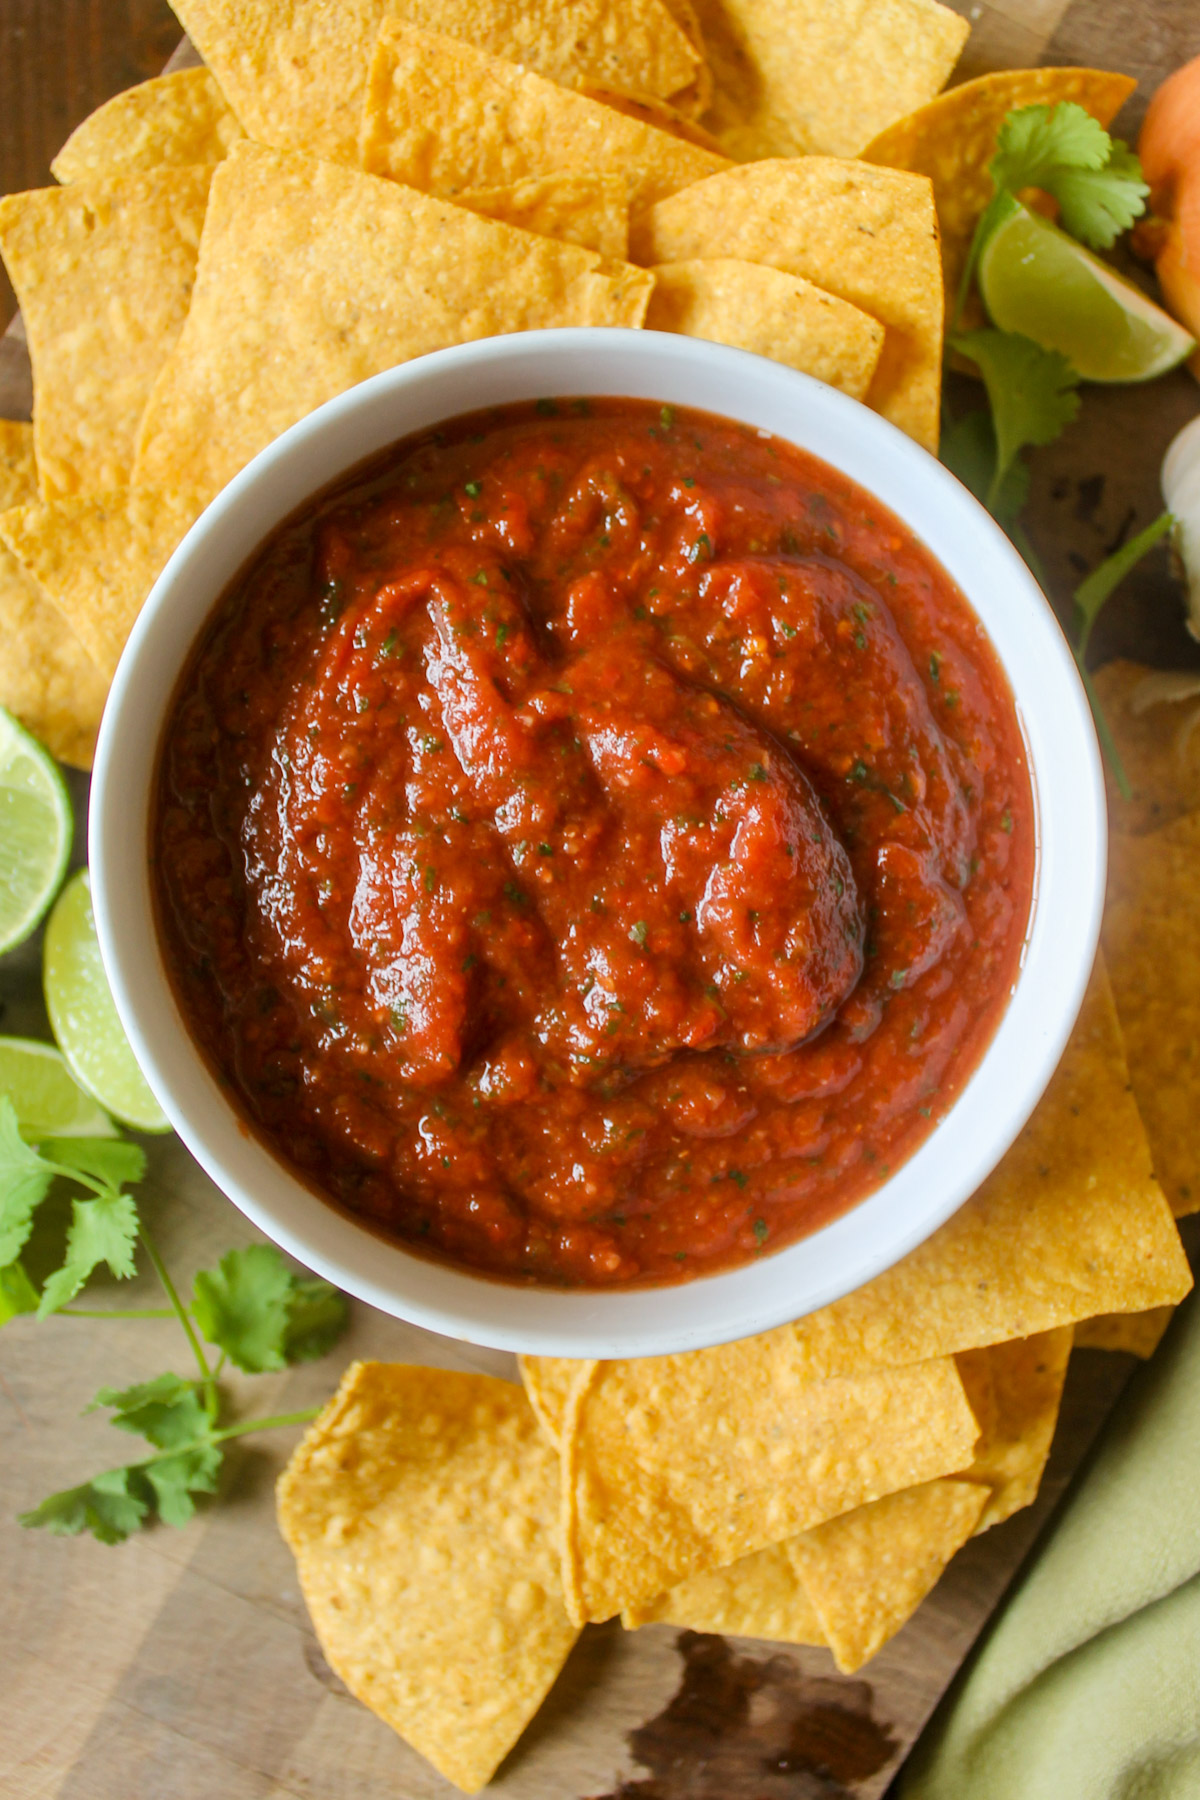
341 188
344 187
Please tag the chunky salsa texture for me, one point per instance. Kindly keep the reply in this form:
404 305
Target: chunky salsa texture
595 844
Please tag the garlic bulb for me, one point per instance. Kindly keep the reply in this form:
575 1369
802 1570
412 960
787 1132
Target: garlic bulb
1181 491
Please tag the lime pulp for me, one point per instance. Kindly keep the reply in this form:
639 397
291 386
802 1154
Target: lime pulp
46 1097
1036 280
36 826
83 1015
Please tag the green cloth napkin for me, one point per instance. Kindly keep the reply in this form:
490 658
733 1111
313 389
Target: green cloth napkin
1088 1685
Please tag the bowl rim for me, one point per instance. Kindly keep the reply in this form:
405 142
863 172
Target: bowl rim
1070 824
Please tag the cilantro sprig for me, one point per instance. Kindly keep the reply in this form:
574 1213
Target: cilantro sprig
252 1310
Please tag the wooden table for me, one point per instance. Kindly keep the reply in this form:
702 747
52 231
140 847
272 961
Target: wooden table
181 1666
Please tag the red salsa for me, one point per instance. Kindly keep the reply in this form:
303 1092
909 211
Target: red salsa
594 844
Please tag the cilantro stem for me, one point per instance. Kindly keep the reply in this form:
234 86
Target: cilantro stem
1108 743
305 1417
117 1312
181 1313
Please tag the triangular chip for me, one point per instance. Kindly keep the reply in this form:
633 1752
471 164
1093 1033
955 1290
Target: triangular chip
313 277
443 116
589 210
46 676
867 235
1015 1390
762 1595
103 271
1071 1223
793 77
760 309
867 1572
953 139
421 1510
1151 941
181 119
96 556
679 1463
1138 1333
548 1383
1159 746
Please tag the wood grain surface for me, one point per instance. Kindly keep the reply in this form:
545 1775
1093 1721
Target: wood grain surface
181 1666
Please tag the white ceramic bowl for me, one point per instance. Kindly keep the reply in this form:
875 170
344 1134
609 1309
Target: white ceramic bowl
1069 881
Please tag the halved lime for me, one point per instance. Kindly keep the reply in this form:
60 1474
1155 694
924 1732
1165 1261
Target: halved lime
35 831
83 1015
1036 280
46 1097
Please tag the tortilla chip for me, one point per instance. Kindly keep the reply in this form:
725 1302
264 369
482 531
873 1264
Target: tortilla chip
1015 1390
867 1572
660 113
548 1383
675 1464
1159 747
47 678
773 314
953 139
1138 1333
103 271
181 119
631 45
443 116
312 278
1070 1224
421 1510
794 77
589 210
96 556
760 1596
868 236
1151 938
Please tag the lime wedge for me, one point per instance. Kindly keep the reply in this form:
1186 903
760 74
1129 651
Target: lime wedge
46 1097
83 1015
35 831
1036 280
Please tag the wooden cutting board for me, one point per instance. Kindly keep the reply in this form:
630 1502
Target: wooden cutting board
181 1666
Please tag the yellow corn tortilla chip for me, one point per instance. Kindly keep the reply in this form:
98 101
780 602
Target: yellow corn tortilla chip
867 1572
181 119
781 316
103 271
867 235
696 99
631 45
421 1510
548 1383
1070 1224
443 116
660 113
794 77
1138 1333
1015 1390
953 139
313 277
589 210
679 1463
96 556
762 1596
1151 938
46 677
1159 747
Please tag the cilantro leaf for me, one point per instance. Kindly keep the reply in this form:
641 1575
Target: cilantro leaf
1034 142
1096 206
17 1293
1031 392
110 1507
103 1230
241 1306
24 1183
167 1410
317 1317
110 1160
174 1479
968 450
